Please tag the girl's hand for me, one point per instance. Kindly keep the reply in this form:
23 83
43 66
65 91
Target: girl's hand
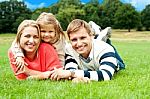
19 63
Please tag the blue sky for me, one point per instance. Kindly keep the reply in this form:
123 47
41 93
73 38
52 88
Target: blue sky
33 4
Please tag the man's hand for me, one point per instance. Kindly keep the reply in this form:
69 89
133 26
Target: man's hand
81 80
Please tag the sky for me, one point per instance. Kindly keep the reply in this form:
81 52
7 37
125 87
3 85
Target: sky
33 4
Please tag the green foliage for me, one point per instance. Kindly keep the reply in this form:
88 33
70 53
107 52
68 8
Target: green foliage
131 83
38 11
126 17
110 8
112 13
66 15
9 12
146 17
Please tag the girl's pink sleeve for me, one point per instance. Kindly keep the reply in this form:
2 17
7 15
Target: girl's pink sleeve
13 67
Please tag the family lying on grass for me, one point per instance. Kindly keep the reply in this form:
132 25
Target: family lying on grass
41 50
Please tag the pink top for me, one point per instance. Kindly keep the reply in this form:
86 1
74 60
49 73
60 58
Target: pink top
46 60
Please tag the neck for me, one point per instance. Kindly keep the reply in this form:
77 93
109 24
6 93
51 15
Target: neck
31 56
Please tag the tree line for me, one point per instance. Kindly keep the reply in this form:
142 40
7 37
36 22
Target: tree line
111 13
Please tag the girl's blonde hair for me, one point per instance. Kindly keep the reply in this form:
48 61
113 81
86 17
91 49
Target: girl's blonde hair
48 18
76 24
24 24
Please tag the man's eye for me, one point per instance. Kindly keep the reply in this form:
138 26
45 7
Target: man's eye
74 40
83 38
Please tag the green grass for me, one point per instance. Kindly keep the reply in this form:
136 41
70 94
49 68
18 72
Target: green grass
131 83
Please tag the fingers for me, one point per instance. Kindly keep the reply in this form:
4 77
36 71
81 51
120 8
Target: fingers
18 73
81 80
19 68
54 76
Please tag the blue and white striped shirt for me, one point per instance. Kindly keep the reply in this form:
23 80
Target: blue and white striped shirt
100 65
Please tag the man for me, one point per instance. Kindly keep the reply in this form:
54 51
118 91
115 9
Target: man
96 60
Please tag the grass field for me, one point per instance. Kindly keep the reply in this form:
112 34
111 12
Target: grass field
131 83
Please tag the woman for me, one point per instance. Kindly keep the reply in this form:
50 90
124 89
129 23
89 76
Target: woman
40 59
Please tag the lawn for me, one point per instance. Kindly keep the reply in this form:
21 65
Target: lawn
131 83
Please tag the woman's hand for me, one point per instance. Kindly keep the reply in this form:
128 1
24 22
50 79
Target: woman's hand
57 74
43 75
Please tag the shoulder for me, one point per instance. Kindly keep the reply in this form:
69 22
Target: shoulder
45 46
101 45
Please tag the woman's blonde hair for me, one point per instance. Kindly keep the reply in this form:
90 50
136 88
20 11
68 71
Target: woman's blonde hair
24 24
48 18
76 24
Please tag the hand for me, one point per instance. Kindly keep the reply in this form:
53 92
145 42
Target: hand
57 74
19 63
43 75
81 79
21 70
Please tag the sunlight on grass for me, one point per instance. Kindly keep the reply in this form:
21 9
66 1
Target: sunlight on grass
131 83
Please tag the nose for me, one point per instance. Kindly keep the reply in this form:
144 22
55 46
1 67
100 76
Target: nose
46 34
79 43
31 39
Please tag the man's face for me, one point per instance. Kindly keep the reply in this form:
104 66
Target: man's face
81 42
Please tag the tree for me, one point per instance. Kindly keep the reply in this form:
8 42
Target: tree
93 12
126 17
9 12
65 16
110 7
146 17
38 11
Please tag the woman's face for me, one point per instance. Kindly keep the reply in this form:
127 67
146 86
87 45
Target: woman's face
48 33
29 40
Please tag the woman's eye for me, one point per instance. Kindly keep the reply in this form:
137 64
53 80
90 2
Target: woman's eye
28 36
36 37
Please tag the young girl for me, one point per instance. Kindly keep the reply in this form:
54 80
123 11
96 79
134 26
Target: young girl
40 58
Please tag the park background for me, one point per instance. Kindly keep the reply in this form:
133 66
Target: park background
130 35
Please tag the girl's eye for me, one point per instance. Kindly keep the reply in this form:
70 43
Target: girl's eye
43 31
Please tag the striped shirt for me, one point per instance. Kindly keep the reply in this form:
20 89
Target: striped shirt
100 65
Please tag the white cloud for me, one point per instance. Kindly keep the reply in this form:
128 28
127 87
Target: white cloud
33 6
138 4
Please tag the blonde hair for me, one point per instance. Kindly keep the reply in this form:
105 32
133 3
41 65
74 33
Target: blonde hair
76 24
48 18
24 24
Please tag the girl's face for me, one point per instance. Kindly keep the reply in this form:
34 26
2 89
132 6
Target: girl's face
48 33
29 40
